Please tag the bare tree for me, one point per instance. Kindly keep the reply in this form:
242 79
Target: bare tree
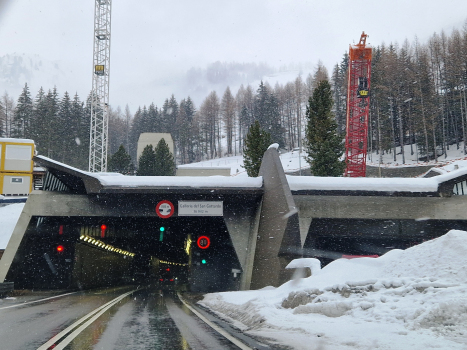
7 108
228 115
209 112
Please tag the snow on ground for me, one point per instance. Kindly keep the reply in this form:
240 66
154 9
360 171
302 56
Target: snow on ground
453 155
290 161
411 299
9 215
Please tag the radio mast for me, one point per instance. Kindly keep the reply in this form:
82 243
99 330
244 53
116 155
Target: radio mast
100 87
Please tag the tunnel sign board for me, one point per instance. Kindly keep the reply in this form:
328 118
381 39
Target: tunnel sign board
165 209
200 208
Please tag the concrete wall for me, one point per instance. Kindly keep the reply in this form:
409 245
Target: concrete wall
278 240
373 207
153 138
202 171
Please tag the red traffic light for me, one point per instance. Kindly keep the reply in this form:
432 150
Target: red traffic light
167 269
103 228
60 248
203 242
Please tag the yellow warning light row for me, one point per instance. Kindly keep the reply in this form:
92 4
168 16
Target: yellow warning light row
172 263
105 246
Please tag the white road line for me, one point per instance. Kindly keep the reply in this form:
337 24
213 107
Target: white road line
36 301
95 313
218 329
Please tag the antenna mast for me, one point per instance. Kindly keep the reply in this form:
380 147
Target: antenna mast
100 87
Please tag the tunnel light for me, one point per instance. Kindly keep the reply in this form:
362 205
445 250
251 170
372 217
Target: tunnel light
102 245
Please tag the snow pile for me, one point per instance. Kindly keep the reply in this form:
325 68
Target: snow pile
9 215
412 299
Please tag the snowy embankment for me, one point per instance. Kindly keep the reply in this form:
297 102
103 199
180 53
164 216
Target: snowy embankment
9 216
291 162
411 299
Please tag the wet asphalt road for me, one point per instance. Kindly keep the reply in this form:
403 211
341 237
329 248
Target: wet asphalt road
147 319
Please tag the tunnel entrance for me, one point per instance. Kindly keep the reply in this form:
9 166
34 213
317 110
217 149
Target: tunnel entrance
88 252
330 239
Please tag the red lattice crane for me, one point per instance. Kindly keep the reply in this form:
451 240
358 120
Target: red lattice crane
358 106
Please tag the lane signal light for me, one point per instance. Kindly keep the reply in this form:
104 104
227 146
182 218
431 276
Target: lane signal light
103 228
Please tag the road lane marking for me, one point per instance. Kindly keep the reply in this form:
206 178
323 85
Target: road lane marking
36 301
218 329
90 317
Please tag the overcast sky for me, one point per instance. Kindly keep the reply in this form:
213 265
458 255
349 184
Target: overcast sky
154 40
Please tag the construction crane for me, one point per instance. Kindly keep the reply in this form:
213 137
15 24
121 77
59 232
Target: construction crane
358 106
100 87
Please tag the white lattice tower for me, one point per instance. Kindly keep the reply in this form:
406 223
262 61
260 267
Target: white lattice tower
100 87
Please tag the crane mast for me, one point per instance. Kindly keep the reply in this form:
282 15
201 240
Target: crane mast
100 87
358 106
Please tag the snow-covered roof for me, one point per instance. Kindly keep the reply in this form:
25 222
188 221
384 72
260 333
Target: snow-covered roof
9 139
179 181
103 182
365 184
113 181
316 183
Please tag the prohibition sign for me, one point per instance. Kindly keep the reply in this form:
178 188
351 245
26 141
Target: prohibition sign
203 242
164 209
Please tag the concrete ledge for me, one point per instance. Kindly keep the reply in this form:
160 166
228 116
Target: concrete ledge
6 287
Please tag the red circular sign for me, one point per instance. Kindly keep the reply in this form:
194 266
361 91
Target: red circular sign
203 242
165 209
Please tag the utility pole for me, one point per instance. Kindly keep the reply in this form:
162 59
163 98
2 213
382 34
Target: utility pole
100 87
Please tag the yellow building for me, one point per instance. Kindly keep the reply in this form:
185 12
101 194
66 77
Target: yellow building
16 166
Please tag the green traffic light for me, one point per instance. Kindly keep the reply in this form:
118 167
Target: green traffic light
161 236
203 261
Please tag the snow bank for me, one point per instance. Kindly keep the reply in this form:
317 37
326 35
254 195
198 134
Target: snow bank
411 299
9 215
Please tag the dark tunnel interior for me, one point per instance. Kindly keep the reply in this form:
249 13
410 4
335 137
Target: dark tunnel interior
88 252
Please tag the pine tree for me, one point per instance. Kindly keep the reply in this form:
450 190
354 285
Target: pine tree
66 131
185 131
81 134
324 145
257 142
146 162
266 112
23 115
120 161
164 164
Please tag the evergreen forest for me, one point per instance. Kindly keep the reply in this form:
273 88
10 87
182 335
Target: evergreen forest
417 98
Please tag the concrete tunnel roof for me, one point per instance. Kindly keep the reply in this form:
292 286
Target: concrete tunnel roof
89 183
93 183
